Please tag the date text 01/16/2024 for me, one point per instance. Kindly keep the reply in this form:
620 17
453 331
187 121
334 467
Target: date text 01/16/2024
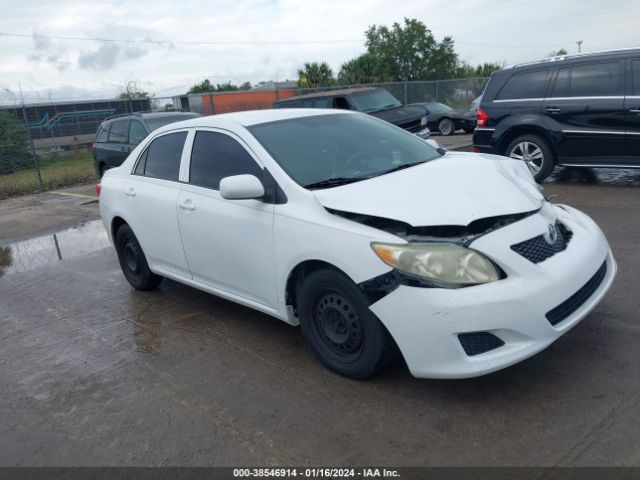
315 473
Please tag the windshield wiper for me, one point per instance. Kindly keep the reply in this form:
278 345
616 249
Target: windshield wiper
334 182
401 167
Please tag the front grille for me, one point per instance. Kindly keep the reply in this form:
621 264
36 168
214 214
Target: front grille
475 343
575 301
537 249
412 126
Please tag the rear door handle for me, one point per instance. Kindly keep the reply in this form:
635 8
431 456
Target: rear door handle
187 205
130 192
634 110
552 110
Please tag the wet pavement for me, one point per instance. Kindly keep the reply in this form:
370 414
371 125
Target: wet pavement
95 373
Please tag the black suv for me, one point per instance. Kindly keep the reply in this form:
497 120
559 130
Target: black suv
575 110
374 101
118 135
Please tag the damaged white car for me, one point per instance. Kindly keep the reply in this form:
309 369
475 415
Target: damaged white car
369 238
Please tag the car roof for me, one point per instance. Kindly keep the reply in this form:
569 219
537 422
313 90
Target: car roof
150 115
252 117
622 52
330 93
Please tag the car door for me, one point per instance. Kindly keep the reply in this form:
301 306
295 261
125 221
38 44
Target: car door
228 243
117 147
586 109
632 112
152 195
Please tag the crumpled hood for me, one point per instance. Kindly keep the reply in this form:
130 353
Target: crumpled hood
455 189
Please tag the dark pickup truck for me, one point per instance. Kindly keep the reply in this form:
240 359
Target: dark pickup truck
374 101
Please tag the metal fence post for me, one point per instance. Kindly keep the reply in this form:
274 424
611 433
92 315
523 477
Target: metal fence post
405 93
33 147
437 85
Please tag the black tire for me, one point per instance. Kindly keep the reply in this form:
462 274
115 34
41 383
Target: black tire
446 127
339 327
133 262
542 163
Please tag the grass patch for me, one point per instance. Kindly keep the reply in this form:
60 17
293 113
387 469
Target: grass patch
63 171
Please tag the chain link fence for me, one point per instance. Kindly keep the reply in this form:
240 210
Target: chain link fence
47 145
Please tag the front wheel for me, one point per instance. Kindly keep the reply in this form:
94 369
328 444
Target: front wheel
133 261
535 152
339 327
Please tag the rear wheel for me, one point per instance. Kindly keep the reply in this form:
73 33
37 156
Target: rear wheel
339 327
133 261
446 127
535 152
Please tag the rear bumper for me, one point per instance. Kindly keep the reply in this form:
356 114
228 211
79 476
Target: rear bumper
426 322
483 140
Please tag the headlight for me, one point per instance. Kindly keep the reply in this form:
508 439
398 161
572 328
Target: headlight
443 264
423 121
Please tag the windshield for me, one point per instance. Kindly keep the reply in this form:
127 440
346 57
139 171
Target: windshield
438 107
374 100
340 148
155 123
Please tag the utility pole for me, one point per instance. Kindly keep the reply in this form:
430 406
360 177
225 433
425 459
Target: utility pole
579 43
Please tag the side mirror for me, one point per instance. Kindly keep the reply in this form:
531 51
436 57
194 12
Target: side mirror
241 187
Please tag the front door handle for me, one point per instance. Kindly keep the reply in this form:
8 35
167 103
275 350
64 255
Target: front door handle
187 205
634 110
552 110
130 192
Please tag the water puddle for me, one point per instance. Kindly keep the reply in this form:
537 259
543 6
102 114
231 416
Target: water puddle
54 248
596 176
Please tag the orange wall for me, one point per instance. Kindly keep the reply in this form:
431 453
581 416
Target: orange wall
239 101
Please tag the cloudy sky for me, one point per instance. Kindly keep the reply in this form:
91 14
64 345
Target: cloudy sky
254 40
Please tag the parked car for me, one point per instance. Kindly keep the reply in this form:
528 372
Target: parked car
120 134
575 110
372 100
364 235
446 120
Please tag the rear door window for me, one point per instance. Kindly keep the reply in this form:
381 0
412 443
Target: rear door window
118 133
162 157
598 79
137 132
215 156
525 85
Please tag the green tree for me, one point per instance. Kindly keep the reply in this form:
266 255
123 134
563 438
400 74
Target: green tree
367 68
14 154
315 75
410 51
202 87
465 70
226 87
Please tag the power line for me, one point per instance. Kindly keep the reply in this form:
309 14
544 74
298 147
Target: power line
171 42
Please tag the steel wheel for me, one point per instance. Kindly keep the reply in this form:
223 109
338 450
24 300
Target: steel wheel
530 153
133 261
446 127
337 324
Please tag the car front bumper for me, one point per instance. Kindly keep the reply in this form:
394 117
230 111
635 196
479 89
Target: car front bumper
425 322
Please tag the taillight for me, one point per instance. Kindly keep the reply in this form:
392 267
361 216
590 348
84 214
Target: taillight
481 117
476 150
98 189
93 146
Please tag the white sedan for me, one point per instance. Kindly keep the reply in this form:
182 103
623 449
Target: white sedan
369 238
